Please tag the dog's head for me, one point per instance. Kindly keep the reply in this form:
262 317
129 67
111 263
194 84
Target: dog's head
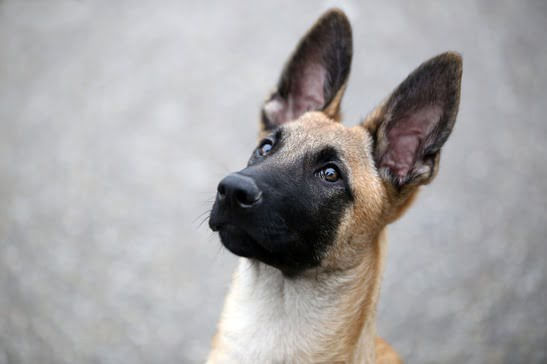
314 191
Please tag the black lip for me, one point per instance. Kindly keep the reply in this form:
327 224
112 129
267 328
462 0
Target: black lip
238 241
214 226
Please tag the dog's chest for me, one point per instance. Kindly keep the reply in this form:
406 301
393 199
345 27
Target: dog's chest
269 320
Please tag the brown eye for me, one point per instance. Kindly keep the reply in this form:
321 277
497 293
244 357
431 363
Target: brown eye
264 148
329 174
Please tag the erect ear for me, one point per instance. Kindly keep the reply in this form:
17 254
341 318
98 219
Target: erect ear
314 78
410 128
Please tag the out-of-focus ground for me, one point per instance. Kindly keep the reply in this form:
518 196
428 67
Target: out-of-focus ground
118 118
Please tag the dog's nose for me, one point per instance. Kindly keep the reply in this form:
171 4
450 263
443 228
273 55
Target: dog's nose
239 190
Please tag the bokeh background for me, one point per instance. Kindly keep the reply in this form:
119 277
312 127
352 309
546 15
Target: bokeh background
118 118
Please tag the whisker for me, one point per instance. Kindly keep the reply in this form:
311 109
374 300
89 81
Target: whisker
208 211
204 219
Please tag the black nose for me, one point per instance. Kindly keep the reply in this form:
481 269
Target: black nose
239 190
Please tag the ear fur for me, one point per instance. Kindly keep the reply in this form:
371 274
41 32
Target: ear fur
412 125
315 76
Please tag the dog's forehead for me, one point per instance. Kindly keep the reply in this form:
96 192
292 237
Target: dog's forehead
315 131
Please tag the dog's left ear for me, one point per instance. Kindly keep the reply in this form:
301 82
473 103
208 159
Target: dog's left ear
315 76
410 128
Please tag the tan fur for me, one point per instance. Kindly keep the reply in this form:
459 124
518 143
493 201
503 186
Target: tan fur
385 353
333 109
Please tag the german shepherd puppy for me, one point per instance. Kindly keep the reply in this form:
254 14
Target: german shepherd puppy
308 214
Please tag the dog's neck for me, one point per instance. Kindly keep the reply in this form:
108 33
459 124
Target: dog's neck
319 316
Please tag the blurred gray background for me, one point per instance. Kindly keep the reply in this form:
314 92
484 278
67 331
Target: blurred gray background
118 118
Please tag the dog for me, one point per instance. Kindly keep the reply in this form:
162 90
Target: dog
308 214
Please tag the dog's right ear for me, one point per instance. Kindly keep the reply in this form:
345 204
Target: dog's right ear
410 128
315 76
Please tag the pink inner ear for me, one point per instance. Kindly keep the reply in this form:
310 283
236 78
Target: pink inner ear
307 90
406 139
306 93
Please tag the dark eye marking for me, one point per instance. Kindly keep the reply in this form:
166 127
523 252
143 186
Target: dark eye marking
327 154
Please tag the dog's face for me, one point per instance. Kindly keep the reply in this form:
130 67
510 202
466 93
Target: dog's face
287 207
314 191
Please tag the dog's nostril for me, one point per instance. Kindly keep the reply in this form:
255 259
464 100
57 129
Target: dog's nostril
241 197
246 198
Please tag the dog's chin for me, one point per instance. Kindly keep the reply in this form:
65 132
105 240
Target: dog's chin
239 242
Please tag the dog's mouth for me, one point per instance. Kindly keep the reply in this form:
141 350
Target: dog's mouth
239 242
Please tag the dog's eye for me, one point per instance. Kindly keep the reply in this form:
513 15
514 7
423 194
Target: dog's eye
329 174
264 148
